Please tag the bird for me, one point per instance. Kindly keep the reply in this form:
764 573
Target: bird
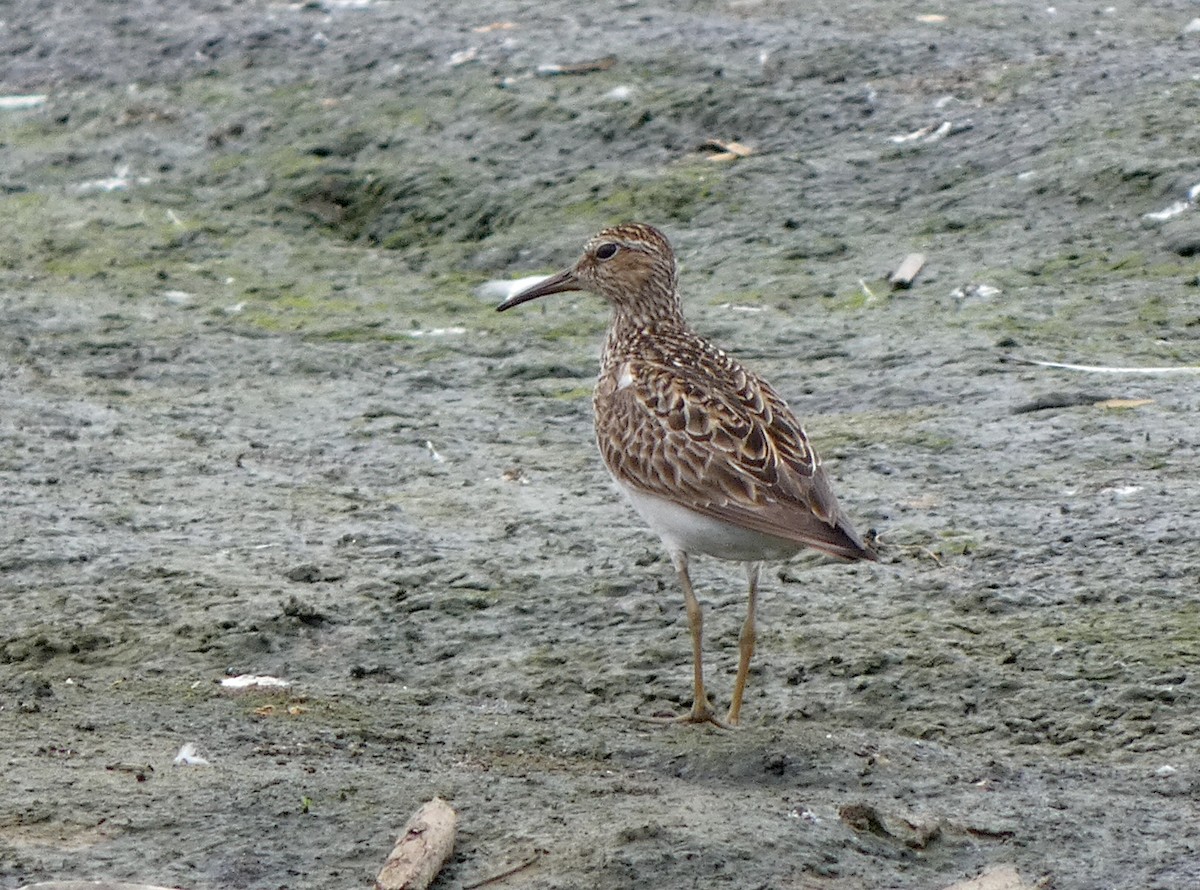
705 450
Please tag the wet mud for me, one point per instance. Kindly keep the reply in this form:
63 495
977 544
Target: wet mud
255 419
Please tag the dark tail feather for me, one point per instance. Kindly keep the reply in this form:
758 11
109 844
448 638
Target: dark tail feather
845 543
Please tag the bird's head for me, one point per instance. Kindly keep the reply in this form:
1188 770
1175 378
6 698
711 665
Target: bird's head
631 266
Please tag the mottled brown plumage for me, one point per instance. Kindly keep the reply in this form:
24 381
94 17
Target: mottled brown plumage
706 450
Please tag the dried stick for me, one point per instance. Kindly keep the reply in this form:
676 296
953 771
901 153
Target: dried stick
1105 369
508 873
903 277
422 849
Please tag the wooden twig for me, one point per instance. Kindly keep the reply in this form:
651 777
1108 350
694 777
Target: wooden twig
422 850
1105 369
903 277
727 151
577 67
521 866
932 555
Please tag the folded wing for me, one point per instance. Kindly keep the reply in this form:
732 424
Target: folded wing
718 440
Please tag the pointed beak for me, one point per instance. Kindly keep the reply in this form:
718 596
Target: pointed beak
555 284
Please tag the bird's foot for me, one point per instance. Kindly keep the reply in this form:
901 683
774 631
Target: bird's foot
701 712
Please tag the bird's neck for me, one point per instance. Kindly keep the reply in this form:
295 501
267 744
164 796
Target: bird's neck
632 327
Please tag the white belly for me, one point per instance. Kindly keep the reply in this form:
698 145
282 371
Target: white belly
687 531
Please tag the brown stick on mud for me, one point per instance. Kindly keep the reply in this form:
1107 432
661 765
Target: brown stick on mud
422 850
903 277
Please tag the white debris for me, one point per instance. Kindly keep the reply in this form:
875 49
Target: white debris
622 93
470 54
1167 212
909 137
418 333
1121 491
177 297
1105 369
974 292
501 289
1192 27
1165 771
433 452
188 756
14 103
805 815
494 26
251 681
1193 195
118 181
933 133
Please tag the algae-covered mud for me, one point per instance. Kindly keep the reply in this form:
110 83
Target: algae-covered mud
254 419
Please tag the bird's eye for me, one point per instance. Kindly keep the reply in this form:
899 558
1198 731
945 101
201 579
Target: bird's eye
606 251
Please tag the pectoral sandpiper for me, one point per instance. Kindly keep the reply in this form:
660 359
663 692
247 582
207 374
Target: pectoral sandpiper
706 451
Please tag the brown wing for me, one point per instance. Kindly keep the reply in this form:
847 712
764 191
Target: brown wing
716 439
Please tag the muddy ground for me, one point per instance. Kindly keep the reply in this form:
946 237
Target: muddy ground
254 419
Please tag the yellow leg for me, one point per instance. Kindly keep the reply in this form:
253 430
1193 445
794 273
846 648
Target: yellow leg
702 711
745 645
